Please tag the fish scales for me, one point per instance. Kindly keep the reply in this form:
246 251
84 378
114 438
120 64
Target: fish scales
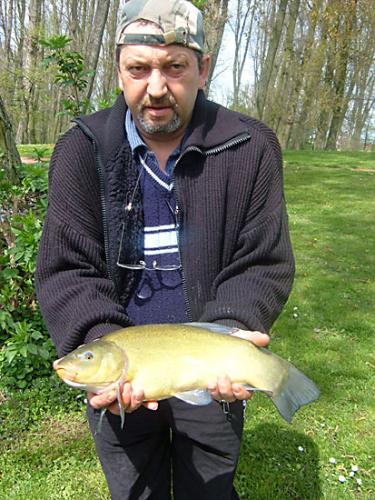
181 360
168 359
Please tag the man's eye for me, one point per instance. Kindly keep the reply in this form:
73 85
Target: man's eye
175 69
137 70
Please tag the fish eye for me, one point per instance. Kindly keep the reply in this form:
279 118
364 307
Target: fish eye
87 355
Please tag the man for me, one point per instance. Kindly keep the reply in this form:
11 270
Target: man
165 208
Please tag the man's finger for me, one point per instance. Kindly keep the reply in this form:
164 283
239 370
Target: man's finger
98 401
224 386
136 400
258 338
240 392
151 405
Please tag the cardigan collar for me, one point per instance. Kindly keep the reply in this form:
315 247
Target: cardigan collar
211 126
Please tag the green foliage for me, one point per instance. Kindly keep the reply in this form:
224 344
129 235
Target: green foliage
25 354
200 4
109 99
29 149
70 73
39 153
26 349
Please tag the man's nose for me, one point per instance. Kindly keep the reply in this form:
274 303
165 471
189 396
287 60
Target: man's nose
157 84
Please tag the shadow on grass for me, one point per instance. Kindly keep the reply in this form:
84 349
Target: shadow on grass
278 463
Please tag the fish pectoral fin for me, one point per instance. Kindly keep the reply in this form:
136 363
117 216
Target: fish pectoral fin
100 423
120 403
198 397
258 389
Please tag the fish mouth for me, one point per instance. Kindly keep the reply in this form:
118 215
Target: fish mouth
64 373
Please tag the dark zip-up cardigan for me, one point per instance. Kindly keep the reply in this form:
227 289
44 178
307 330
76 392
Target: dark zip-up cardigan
234 243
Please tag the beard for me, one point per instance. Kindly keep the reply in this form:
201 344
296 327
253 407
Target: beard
153 127
160 128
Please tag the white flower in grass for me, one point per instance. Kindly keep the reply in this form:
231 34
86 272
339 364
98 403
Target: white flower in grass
300 448
332 460
342 478
359 482
355 468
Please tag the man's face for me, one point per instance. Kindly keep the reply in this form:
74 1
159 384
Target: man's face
160 85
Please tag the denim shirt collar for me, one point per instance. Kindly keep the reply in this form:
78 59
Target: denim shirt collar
134 138
137 144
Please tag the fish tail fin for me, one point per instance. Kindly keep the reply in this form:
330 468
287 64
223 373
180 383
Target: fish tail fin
298 390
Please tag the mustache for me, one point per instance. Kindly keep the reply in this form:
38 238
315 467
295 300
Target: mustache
163 102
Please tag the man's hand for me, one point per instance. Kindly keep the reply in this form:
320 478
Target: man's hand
132 400
222 388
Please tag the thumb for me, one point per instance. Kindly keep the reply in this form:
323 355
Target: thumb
257 338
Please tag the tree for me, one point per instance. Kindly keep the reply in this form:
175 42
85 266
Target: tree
345 30
268 66
242 28
9 156
95 42
216 15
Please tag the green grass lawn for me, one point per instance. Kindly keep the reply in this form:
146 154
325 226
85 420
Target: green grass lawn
326 329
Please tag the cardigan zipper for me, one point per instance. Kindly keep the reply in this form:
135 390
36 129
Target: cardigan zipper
218 149
226 145
99 168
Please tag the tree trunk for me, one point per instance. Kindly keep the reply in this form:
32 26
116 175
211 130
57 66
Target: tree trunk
242 35
276 109
108 83
341 74
267 67
9 156
361 111
96 39
216 14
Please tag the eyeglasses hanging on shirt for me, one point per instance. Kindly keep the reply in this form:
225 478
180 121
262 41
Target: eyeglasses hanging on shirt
125 229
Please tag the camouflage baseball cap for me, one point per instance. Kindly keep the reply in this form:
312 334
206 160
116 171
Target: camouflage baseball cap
180 21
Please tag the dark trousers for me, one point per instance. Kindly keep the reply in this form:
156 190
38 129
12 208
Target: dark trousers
190 450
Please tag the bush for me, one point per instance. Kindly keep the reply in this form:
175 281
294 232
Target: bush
26 350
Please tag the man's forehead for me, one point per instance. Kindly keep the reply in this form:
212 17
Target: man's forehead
152 52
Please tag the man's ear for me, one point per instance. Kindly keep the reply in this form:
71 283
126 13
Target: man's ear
204 70
119 80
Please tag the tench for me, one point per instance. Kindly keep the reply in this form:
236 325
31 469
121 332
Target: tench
180 360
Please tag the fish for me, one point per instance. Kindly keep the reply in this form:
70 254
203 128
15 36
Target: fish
180 360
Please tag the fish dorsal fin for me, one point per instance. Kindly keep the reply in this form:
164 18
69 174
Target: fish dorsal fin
198 397
215 327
